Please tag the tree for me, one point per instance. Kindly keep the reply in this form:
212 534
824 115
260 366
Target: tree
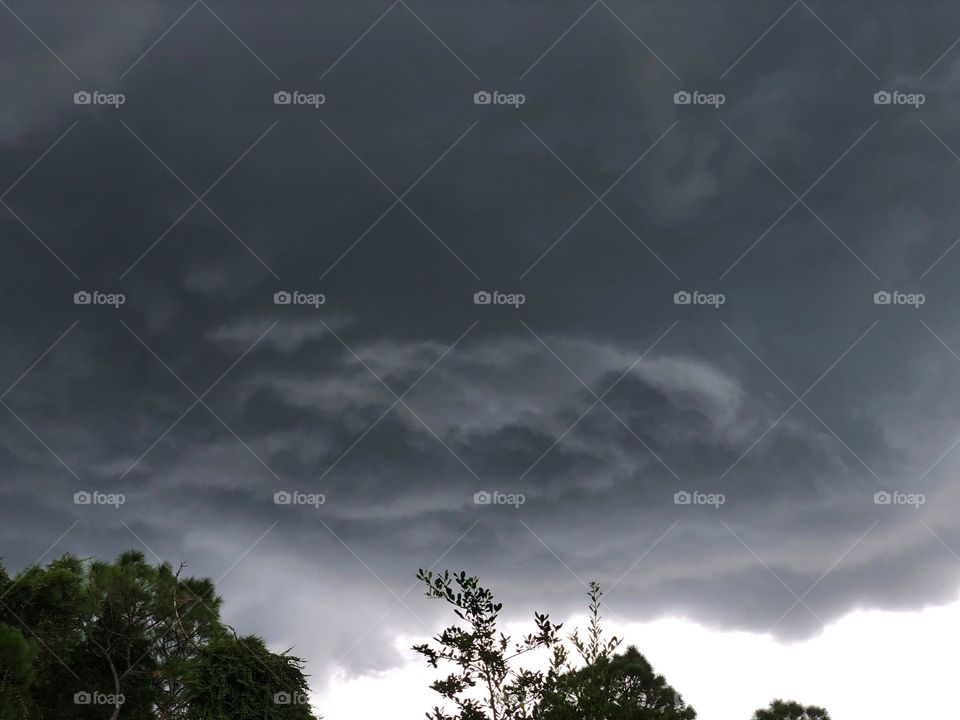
621 687
109 634
16 674
240 678
485 684
607 686
132 637
790 710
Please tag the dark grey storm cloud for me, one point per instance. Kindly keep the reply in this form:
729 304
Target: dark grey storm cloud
398 399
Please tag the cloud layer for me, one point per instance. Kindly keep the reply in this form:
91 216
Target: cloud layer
398 398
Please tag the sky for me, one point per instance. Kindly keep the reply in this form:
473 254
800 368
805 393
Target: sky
715 372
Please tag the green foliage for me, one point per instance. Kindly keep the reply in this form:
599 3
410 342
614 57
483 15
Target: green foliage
140 640
607 686
16 674
485 682
486 686
239 678
790 710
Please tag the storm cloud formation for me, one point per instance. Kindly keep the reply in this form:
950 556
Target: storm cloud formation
599 198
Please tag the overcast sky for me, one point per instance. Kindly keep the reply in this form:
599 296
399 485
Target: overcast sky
782 198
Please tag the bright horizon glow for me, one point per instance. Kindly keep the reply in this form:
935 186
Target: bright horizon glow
869 664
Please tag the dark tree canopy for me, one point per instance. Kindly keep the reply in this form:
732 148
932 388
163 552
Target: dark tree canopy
239 678
95 640
790 710
16 673
621 687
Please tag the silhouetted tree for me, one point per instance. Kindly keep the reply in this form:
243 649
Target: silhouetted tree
485 684
607 686
790 710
